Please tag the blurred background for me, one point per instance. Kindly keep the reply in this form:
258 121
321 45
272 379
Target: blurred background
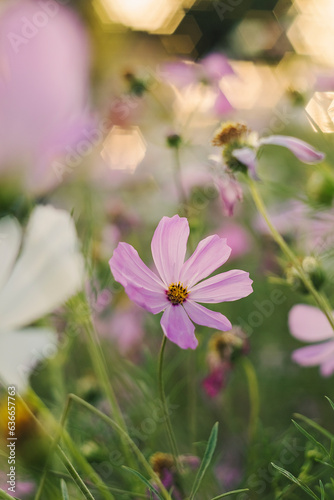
92 100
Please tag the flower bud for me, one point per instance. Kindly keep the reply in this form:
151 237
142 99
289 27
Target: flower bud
314 271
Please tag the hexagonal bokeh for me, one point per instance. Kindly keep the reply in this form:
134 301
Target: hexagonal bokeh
124 148
321 111
311 32
252 84
256 33
154 16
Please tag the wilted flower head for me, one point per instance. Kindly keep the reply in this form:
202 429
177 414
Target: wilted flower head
47 272
179 285
163 465
223 350
309 324
240 147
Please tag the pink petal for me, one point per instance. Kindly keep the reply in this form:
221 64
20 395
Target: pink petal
153 302
178 328
203 316
128 269
313 355
247 156
232 285
301 149
216 66
230 192
211 253
222 105
327 368
309 323
169 245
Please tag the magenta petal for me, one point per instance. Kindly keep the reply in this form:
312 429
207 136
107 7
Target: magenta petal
178 328
153 302
169 245
247 156
203 316
211 253
232 285
214 382
313 355
301 149
310 324
128 268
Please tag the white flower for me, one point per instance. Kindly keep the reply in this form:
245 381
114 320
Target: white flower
47 272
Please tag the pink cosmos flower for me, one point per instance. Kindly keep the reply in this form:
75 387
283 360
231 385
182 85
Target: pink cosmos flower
179 285
309 324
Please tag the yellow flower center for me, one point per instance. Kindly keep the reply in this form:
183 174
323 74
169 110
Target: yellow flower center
177 293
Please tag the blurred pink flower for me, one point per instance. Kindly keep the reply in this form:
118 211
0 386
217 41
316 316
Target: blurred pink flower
44 82
309 324
22 488
209 71
175 291
237 238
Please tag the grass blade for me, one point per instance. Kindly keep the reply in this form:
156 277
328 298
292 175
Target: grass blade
64 491
295 480
316 426
143 480
310 437
322 490
210 448
230 493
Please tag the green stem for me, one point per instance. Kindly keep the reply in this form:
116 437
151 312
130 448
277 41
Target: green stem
169 428
192 397
321 300
254 397
100 367
127 438
75 476
60 431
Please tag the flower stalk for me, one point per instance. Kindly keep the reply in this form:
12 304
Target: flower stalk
319 298
169 427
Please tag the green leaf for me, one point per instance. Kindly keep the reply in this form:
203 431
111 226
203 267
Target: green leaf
315 426
310 437
210 448
230 493
5 496
296 481
330 402
322 490
143 480
64 491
